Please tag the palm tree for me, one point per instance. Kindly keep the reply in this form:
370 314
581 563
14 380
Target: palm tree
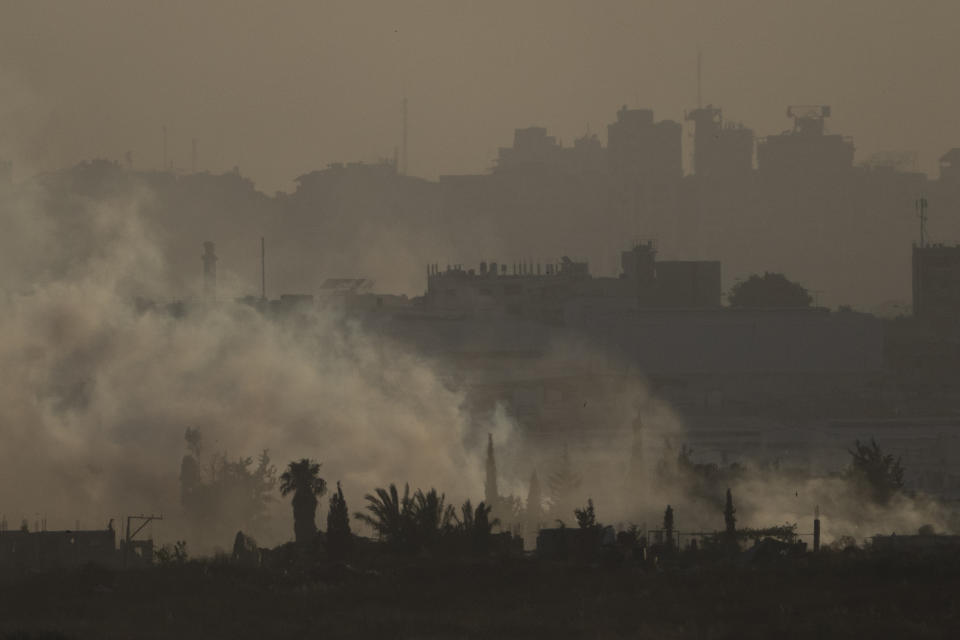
730 519
390 515
431 516
303 480
476 525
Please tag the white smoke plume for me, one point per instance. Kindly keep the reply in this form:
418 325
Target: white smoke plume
97 393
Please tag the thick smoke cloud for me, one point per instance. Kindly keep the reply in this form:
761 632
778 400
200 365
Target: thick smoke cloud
97 391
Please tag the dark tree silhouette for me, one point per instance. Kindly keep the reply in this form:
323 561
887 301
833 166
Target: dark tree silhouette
390 514
490 492
668 527
730 520
406 522
879 474
586 517
431 517
339 536
476 525
221 494
303 480
245 550
767 291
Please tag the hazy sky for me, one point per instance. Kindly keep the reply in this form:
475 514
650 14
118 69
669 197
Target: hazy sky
281 88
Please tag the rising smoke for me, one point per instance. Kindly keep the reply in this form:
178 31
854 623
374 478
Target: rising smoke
97 391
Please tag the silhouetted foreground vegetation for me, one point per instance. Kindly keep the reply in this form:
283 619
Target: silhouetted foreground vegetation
833 594
438 571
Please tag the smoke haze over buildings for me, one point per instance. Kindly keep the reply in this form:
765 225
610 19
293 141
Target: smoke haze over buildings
284 88
97 393
101 378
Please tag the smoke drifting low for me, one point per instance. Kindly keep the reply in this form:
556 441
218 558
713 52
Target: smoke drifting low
97 393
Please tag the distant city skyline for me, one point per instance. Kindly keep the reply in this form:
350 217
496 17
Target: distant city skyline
319 84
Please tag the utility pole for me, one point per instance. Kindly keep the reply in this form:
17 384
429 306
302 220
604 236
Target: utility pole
404 135
128 539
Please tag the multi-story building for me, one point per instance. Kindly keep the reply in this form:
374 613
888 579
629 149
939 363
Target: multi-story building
550 292
936 283
807 149
720 150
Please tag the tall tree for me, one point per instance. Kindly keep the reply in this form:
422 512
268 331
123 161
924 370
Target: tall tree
879 474
490 493
339 536
586 517
730 520
302 479
668 527
221 494
768 291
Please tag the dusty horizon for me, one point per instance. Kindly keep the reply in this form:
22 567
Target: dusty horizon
284 89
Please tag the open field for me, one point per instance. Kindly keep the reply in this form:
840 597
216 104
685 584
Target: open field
828 596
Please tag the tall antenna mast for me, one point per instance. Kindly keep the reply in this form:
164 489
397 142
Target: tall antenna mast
193 155
263 269
921 205
404 135
164 166
699 56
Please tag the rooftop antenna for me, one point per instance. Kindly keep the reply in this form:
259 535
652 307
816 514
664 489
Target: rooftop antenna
128 538
699 58
263 269
193 155
404 135
164 166
921 206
